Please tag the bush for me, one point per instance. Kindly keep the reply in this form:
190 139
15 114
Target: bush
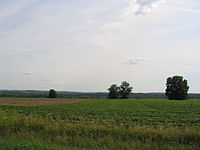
52 93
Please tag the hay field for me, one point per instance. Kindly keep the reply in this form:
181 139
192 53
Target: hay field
37 101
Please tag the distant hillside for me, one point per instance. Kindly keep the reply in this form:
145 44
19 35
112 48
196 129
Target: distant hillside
71 94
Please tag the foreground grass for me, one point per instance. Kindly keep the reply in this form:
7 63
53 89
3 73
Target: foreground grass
21 144
103 124
96 134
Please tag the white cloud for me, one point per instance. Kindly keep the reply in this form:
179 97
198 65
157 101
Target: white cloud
26 73
45 80
136 61
142 7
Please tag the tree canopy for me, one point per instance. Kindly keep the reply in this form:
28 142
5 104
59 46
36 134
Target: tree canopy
176 88
122 91
113 92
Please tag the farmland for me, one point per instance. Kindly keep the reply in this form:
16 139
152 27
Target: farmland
37 101
101 124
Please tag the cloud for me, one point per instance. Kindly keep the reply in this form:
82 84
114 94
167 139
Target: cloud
136 61
51 82
26 73
133 71
36 36
45 80
143 7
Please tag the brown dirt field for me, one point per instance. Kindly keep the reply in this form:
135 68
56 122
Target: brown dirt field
37 101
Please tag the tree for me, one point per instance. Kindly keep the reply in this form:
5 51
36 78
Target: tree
52 93
113 92
176 88
124 90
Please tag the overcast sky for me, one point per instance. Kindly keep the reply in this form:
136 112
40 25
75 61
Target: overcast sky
86 45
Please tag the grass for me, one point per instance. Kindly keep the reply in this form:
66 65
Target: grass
19 144
103 124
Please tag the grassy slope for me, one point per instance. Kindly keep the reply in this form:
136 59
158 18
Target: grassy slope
106 124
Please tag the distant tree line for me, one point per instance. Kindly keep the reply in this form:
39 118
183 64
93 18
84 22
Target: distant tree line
82 95
176 88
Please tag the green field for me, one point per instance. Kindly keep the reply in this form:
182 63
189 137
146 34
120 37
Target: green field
102 124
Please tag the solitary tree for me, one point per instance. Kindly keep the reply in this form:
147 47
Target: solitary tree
52 93
113 92
176 88
124 90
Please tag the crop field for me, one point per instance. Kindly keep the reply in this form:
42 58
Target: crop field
151 124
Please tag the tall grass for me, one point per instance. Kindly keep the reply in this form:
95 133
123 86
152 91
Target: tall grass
96 133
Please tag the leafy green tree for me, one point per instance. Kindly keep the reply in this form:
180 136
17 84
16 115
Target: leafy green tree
176 88
113 92
124 90
52 93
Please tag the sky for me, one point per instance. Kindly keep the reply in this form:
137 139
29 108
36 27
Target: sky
87 45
